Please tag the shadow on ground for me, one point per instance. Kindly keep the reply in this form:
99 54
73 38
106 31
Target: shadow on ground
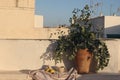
100 76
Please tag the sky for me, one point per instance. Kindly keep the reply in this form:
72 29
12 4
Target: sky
58 12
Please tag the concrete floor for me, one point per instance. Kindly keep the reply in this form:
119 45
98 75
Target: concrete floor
100 76
21 75
14 75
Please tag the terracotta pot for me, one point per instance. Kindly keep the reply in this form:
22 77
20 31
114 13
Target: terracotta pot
83 60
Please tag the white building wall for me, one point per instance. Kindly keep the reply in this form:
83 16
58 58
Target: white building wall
38 21
109 24
112 24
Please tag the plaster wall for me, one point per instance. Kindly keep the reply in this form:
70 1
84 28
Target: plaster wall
119 56
17 20
7 3
25 54
114 50
17 3
38 21
112 24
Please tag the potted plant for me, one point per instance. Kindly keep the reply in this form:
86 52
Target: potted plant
81 43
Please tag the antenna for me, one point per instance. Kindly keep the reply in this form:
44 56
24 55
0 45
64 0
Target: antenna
96 7
91 6
118 11
101 12
110 9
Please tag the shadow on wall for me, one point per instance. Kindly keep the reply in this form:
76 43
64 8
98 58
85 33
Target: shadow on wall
25 71
49 55
113 30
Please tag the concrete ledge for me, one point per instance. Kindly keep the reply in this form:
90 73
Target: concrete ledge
14 75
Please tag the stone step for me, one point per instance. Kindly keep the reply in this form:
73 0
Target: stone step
100 76
14 75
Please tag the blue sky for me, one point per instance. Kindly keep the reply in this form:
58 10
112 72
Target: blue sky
58 12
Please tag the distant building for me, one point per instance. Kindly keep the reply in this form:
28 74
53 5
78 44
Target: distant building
107 26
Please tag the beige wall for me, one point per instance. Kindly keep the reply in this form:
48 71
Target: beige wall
26 3
119 57
38 21
15 22
18 21
28 33
25 54
17 3
7 3
114 50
